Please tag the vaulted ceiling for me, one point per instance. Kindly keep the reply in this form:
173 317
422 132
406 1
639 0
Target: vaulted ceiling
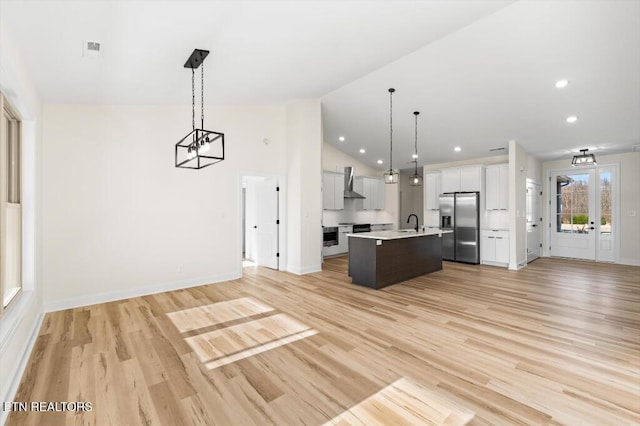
480 72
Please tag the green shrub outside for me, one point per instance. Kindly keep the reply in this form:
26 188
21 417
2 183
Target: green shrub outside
580 219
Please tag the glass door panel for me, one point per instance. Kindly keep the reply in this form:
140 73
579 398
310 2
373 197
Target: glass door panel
574 210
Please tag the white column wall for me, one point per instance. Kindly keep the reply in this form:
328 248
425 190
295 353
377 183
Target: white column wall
304 183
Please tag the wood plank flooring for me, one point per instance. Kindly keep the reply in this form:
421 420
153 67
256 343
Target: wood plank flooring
555 343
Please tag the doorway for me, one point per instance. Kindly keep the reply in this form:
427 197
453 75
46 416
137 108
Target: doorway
583 213
261 221
534 220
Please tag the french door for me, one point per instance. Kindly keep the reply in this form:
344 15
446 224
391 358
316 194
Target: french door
583 204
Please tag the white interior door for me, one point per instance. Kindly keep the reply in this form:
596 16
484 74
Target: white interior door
573 213
534 220
266 223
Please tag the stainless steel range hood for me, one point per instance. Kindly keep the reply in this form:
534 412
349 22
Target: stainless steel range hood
348 184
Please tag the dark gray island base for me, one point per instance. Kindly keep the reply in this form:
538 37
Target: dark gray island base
380 259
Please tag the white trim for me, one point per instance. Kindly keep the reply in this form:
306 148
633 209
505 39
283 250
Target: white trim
498 264
516 266
630 262
19 371
304 270
59 305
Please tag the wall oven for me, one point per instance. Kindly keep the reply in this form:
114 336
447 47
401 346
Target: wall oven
361 227
330 236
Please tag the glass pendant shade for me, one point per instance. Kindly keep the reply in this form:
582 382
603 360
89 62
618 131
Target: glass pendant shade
415 180
391 176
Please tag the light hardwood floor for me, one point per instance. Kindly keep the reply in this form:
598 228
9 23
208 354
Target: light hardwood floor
555 343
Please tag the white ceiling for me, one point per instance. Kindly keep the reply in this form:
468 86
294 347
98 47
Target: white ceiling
480 72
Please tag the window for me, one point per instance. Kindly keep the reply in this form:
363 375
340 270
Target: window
572 215
10 205
605 203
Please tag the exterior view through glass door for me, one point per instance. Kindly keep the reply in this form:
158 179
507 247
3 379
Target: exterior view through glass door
582 213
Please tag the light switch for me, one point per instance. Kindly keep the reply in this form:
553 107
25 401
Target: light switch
632 213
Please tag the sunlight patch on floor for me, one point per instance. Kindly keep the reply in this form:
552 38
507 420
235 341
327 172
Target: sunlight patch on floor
217 313
235 342
404 402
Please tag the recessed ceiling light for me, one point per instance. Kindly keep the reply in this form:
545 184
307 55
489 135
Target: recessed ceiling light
341 138
414 156
380 161
362 151
457 149
561 83
572 119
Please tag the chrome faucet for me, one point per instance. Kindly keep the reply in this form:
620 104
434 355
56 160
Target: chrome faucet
409 220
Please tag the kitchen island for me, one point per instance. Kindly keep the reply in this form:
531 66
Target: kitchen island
379 259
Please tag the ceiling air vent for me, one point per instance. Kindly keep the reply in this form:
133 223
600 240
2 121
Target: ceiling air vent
91 48
496 149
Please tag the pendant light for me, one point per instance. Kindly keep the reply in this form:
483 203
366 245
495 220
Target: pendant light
391 175
584 159
200 148
416 179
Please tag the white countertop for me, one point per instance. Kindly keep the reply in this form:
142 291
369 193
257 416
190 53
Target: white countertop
394 235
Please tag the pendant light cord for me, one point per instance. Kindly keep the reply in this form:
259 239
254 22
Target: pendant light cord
391 130
416 145
193 99
202 95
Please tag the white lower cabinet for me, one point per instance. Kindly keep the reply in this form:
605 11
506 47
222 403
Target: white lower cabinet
494 247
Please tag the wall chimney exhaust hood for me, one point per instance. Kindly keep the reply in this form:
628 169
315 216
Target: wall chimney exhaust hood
348 184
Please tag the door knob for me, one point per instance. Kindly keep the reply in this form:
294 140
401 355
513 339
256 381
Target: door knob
534 225
593 227
255 226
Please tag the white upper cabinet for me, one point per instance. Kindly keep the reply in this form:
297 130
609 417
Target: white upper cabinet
373 191
332 191
497 187
432 191
467 179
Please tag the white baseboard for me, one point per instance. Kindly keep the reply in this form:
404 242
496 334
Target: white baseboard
500 264
76 302
631 262
24 359
304 270
516 266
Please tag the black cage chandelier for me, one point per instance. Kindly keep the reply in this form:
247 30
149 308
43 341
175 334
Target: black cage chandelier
416 179
200 148
584 159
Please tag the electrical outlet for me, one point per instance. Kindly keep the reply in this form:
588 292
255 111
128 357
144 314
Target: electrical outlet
632 213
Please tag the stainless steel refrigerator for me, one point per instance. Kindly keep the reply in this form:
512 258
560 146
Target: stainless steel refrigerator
460 212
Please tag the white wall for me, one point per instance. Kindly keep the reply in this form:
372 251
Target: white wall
20 323
304 177
411 200
629 196
335 160
121 220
